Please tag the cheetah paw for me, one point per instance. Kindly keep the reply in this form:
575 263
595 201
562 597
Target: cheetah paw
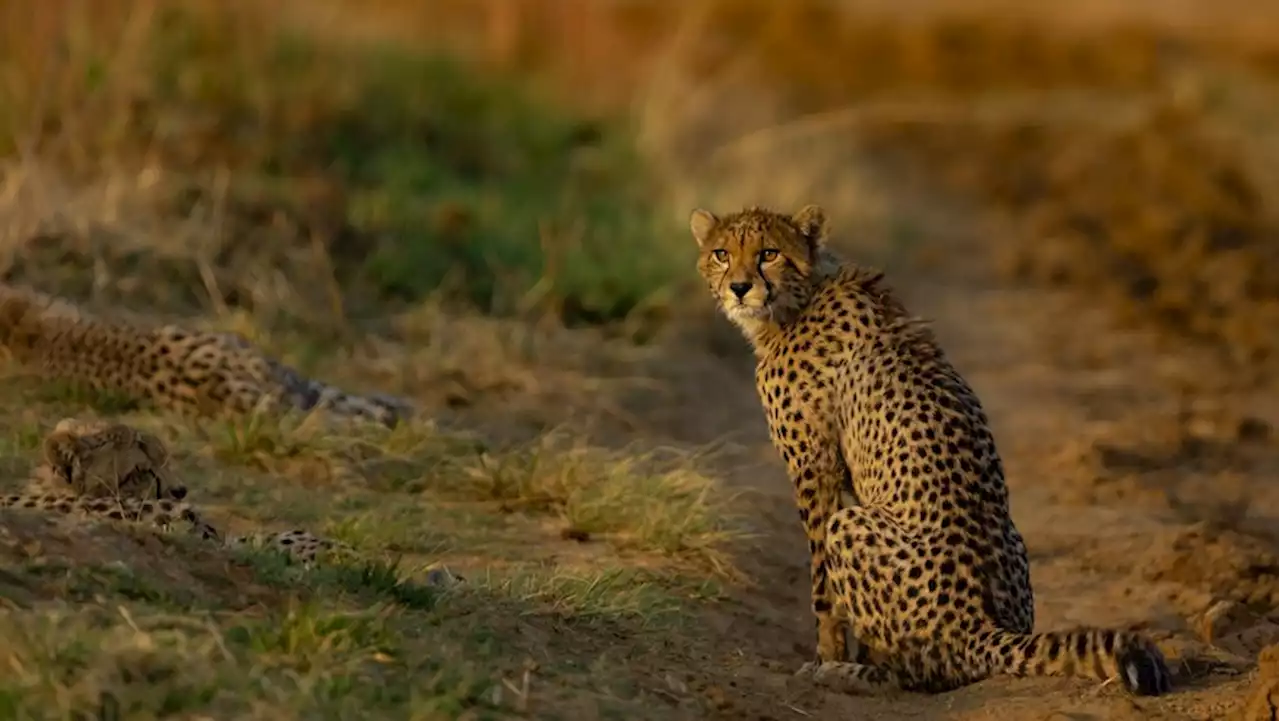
850 678
825 673
808 670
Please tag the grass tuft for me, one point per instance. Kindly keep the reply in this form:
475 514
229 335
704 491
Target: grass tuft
609 593
631 499
303 660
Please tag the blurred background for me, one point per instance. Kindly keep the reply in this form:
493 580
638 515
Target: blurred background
521 154
482 205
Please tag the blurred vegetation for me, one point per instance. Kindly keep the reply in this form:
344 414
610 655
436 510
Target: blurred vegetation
425 174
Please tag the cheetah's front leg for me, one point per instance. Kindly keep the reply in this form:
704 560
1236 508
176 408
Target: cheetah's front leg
817 489
862 677
852 678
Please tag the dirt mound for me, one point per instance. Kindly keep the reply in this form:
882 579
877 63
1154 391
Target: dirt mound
1264 699
1126 214
1161 458
1225 563
61 558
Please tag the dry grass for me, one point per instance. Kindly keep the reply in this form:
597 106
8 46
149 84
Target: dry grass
386 219
389 485
383 218
544 534
308 177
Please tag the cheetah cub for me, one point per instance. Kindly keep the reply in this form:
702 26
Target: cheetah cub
926 569
102 459
101 469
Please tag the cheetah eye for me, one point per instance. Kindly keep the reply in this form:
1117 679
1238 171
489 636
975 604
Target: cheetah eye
768 256
721 255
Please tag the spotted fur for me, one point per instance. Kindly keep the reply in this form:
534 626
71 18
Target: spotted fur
926 569
163 513
190 372
166 515
104 459
110 471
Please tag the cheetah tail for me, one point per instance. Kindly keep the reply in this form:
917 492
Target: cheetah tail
1101 654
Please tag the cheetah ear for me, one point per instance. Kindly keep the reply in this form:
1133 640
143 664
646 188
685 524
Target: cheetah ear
811 221
701 222
58 447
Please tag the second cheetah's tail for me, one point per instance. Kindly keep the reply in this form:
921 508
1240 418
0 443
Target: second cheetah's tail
306 394
1094 653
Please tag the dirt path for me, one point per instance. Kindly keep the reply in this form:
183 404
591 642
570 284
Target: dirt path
1125 481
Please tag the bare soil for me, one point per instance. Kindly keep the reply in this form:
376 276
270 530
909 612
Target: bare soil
1102 269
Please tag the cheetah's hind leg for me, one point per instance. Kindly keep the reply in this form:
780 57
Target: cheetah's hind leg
851 678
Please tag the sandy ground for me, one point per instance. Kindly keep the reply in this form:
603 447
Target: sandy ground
1142 477
1121 497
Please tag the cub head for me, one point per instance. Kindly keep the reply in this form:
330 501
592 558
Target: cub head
101 459
759 264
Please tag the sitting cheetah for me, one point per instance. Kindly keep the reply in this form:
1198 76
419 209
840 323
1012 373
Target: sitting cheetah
181 370
99 469
927 568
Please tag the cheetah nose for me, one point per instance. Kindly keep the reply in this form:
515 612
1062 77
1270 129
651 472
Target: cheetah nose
740 289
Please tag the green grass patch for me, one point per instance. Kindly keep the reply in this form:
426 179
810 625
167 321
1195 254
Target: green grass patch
367 580
358 640
446 178
471 181
302 660
650 597
109 620
420 488
636 499
83 583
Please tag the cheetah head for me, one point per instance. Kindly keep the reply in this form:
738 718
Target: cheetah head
98 458
759 264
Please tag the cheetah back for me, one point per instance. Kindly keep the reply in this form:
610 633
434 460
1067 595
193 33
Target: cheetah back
859 384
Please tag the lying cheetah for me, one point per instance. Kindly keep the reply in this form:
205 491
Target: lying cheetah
102 459
927 568
99 469
168 515
181 370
